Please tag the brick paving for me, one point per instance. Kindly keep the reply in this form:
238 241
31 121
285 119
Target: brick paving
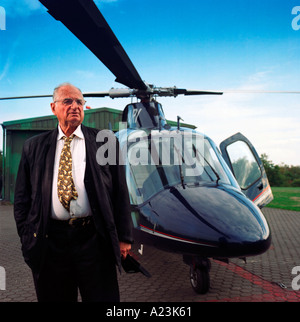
257 280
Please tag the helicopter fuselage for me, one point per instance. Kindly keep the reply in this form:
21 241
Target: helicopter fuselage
195 209
202 220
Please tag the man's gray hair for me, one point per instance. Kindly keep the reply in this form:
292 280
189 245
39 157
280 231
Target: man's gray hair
56 89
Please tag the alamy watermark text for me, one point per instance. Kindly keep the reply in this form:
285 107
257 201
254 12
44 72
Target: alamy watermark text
296 19
2 279
2 19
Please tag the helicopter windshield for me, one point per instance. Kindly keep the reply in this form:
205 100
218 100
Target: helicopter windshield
144 115
157 162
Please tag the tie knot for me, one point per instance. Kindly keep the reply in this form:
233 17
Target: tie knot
69 139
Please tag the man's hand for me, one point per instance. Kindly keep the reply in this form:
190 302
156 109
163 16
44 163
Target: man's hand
124 248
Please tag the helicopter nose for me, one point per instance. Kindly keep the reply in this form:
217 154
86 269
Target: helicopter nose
221 218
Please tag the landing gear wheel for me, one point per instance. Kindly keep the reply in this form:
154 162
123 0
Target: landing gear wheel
200 280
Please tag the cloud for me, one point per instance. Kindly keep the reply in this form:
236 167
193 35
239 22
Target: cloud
15 8
5 70
269 121
99 2
9 59
85 74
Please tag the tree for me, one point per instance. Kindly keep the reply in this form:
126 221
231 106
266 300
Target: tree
281 175
276 179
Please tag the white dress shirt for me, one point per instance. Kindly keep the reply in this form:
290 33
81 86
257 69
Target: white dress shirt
81 206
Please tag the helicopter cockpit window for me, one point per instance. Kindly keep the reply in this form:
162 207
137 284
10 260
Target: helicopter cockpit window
245 167
164 162
144 115
207 163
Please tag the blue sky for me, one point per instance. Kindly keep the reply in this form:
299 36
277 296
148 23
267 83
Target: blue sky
195 44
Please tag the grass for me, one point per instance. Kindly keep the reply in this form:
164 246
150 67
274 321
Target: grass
285 198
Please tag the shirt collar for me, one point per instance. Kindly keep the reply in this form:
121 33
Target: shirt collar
78 132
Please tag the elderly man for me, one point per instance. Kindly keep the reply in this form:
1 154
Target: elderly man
72 214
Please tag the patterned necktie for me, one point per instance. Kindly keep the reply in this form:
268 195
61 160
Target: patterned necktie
65 185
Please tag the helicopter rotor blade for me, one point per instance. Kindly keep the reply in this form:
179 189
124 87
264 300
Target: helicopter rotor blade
85 21
188 92
113 93
98 94
174 91
23 97
259 92
157 91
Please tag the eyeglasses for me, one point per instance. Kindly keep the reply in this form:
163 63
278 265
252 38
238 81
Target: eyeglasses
69 101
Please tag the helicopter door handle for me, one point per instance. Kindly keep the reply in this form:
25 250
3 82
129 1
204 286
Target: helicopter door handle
260 186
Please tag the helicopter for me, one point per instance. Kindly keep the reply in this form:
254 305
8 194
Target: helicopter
187 195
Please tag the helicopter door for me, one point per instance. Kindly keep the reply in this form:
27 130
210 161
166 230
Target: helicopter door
248 169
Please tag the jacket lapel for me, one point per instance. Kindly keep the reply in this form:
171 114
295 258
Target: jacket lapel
49 150
91 150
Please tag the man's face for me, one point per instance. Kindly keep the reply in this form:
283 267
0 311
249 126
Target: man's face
67 107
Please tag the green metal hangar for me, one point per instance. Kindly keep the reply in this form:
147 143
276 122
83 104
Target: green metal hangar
15 133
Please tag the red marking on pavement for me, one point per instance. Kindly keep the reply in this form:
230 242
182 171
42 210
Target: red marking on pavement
270 292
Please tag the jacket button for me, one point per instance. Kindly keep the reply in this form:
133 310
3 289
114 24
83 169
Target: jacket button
34 235
46 236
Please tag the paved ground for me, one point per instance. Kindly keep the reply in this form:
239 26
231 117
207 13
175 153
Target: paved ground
265 278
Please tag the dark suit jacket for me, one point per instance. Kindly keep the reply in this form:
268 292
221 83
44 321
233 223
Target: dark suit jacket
106 189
